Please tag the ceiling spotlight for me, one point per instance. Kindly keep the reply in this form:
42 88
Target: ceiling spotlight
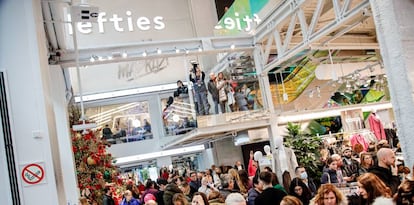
177 50
200 49
92 59
232 46
109 57
144 54
187 51
159 51
124 55
311 94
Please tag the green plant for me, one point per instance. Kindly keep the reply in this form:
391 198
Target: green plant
306 148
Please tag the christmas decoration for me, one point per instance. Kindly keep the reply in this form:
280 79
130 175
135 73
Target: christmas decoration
95 169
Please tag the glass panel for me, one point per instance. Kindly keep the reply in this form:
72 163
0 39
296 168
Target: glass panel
120 123
178 114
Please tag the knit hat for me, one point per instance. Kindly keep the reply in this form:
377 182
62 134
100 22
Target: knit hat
148 197
346 149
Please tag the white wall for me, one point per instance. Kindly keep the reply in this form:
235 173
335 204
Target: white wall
23 57
207 159
5 191
227 153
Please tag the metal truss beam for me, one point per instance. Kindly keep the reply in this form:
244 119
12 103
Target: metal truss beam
114 54
271 30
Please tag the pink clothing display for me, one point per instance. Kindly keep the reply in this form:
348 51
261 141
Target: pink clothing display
359 139
376 127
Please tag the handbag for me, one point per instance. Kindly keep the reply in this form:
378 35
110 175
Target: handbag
230 98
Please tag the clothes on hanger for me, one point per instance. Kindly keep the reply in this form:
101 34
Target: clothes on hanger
392 137
376 126
359 139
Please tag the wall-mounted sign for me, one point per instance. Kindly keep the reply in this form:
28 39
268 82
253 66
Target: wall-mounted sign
121 23
33 173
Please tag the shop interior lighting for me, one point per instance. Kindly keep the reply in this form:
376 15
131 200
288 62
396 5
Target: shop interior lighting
92 59
109 57
318 114
232 47
124 55
311 94
200 49
159 51
318 91
144 54
133 91
187 51
177 50
154 155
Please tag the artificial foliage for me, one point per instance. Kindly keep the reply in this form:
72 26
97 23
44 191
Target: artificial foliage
94 166
306 148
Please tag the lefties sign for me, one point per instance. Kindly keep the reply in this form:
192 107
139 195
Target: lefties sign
126 22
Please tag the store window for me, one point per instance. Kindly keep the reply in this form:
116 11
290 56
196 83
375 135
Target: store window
140 173
181 164
242 78
122 123
178 115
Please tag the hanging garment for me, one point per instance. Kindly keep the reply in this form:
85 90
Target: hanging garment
391 137
359 139
376 127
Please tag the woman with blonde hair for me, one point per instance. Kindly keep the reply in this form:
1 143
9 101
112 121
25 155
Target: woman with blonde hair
328 194
179 199
290 200
238 182
373 191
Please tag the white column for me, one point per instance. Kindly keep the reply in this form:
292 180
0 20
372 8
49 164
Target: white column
263 80
64 140
394 27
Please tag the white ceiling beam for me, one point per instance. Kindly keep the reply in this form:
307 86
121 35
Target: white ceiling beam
324 31
168 48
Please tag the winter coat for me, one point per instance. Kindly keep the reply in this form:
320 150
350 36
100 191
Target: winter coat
132 202
169 192
221 87
212 88
376 127
383 201
386 176
329 176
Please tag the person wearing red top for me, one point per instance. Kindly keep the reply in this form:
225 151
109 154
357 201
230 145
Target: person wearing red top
252 167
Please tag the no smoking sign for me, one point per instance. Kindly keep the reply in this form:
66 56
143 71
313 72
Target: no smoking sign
33 173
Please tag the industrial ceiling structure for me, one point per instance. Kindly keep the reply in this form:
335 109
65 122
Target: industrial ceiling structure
292 31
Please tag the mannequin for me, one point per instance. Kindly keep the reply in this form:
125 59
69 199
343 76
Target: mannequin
267 160
285 158
376 126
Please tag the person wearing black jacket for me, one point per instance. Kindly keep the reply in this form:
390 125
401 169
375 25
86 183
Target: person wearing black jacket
270 195
212 88
107 198
386 160
169 192
197 76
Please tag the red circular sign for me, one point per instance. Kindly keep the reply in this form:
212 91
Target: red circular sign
33 173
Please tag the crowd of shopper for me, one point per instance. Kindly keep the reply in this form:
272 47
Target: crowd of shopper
374 174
